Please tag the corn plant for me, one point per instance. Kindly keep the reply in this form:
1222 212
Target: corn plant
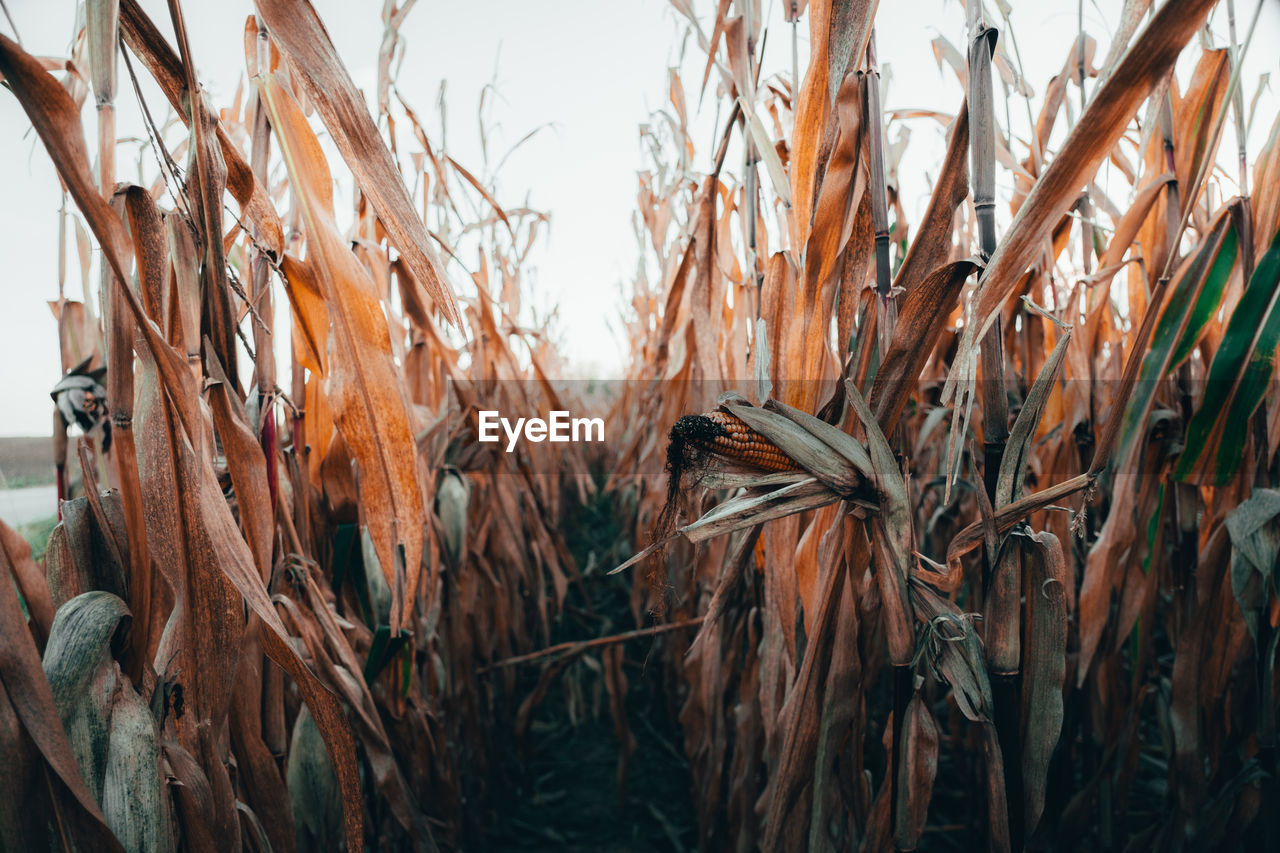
976 546
968 530
249 624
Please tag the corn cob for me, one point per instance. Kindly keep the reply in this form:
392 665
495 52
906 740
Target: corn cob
729 438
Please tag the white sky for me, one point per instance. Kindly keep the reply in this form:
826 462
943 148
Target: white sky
594 69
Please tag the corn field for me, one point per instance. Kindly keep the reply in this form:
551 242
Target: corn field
952 534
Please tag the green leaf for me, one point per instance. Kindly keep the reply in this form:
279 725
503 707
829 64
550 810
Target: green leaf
1193 301
1210 297
383 650
1238 378
348 564
1153 530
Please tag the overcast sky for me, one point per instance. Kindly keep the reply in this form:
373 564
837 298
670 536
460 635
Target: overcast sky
595 70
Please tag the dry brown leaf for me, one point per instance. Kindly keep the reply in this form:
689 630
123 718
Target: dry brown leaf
296 27
144 39
368 402
1108 114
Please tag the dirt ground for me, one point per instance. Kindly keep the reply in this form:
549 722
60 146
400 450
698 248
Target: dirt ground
26 461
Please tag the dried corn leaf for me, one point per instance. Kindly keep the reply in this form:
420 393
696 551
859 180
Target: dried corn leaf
1044 666
368 401
1018 446
919 750
296 27
15 558
891 535
1107 115
144 39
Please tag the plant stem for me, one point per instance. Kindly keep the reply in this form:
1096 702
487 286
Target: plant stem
879 197
1003 586
578 647
1237 110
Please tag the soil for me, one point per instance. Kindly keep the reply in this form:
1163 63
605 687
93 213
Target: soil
26 461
